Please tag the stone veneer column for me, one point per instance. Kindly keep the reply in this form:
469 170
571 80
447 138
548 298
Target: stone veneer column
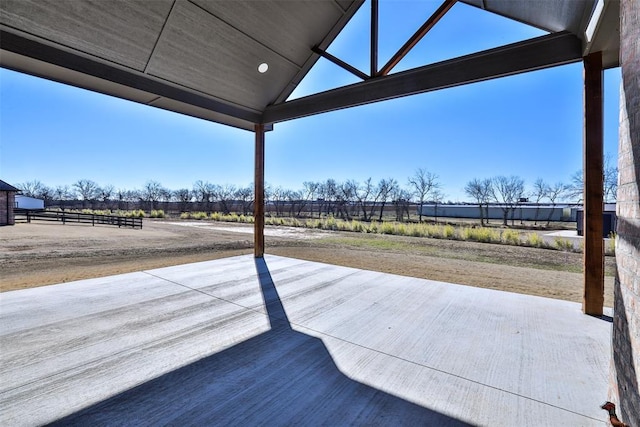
625 365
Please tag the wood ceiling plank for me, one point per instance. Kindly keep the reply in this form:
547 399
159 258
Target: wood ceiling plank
289 28
124 34
201 52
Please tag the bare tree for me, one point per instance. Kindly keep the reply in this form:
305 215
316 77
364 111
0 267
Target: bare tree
245 196
540 190
386 187
576 188
62 194
422 184
401 199
609 183
328 192
132 197
46 193
295 201
31 188
183 196
105 193
203 193
87 190
120 195
277 197
480 190
223 195
310 193
165 196
554 193
438 197
363 196
152 192
507 192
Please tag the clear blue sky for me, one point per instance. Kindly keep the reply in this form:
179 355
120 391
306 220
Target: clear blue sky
528 125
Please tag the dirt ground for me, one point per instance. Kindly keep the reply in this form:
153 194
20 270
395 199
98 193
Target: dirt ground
41 253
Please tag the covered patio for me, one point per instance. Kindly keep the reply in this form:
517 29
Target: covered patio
255 340
281 341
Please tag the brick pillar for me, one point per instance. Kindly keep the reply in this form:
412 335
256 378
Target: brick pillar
4 211
625 365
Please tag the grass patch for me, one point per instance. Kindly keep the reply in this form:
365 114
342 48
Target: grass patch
509 237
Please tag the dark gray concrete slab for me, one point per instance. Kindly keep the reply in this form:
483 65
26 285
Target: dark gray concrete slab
289 342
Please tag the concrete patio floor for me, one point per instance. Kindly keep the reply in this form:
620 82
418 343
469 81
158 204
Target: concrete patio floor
281 341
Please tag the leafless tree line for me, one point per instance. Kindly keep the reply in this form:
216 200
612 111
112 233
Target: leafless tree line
509 192
350 199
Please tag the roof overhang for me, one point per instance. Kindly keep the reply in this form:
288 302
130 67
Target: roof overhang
201 57
196 57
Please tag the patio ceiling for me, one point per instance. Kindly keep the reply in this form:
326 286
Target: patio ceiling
201 57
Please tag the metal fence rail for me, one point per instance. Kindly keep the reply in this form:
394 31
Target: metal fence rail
76 217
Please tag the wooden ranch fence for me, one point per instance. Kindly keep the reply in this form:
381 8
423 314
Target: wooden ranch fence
76 217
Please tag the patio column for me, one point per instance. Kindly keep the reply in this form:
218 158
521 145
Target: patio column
258 203
593 186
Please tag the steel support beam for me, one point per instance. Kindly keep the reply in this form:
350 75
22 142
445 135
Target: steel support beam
258 203
542 52
416 37
593 256
339 62
374 38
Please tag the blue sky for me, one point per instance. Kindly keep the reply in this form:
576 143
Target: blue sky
528 125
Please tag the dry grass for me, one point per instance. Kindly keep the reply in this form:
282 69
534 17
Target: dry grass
41 253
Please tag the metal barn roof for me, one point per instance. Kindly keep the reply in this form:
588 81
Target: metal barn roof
201 57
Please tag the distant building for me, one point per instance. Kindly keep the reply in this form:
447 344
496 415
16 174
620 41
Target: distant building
524 212
25 202
609 220
7 203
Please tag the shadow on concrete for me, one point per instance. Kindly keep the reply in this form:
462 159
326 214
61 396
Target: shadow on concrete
281 377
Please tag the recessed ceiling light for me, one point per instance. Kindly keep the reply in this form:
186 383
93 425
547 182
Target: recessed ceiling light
262 68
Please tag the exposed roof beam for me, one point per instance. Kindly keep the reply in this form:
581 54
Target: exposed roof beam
417 36
542 52
339 62
374 38
38 54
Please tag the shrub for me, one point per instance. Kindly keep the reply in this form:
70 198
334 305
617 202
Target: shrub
136 213
401 229
185 215
563 244
314 223
534 240
611 246
480 234
511 237
157 213
387 228
448 232
357 226
330 223
415 230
